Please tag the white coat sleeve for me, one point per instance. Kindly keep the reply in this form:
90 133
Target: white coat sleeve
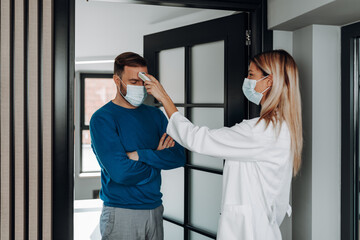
237 142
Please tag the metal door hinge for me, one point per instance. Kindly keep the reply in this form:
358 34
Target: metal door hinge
248 37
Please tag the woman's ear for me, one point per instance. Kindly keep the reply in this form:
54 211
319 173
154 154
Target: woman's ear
269 80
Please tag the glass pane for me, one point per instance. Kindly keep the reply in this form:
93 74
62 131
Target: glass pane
207 72
172 72
181 110
205 193
172 231
196 236
212 118
98 91
172 188
89 162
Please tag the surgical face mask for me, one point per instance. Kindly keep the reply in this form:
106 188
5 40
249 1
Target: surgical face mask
249 90
135 95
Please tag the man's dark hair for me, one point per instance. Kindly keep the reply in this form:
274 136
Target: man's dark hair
129 59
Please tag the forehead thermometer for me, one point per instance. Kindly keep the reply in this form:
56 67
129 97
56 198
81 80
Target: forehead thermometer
143 76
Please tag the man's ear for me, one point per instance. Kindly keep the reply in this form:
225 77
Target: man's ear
116 79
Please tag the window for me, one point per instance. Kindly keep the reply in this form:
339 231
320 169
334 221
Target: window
96 91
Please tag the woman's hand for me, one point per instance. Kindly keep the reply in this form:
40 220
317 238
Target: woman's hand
154 88
165 143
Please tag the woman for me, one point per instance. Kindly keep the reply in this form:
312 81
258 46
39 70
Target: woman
261 154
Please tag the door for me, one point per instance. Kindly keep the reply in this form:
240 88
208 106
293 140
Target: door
350 131
202 66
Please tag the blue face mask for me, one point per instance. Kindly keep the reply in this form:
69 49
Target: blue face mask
249 90
135 95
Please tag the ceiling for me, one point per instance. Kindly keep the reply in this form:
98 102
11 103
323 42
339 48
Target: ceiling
105 29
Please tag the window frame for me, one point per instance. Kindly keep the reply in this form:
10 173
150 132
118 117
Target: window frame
83 126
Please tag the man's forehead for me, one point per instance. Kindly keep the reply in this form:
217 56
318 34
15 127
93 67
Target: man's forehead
134 70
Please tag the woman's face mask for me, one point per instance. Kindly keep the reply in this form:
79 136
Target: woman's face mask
249 90
135 95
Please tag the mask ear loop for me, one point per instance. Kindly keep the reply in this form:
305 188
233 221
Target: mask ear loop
261 80
265 90
120 88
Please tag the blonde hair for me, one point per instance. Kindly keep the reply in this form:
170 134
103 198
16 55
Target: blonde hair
283 102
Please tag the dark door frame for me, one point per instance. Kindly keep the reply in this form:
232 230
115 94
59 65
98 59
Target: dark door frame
64 74
349 135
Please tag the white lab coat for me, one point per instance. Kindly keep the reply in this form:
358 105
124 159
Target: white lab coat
256 177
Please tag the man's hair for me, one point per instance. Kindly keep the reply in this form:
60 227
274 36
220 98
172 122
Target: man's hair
129 59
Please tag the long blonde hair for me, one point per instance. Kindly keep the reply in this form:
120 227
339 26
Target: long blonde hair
283 101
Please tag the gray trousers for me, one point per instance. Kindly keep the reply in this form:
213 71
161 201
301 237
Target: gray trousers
130 224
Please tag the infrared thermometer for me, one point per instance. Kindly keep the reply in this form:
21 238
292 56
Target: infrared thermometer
143 76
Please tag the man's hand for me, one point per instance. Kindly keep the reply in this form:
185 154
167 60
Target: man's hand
133 155
165 143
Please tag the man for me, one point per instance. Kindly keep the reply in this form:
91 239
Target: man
130 189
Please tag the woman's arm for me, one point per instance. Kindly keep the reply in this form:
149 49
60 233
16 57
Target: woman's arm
235 142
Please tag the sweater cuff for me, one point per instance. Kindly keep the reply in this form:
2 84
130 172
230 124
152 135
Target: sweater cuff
142 155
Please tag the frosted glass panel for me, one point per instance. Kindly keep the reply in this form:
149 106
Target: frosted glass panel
212 118
172 188
205 193
172 72
181 110
172 231
207 72
196 236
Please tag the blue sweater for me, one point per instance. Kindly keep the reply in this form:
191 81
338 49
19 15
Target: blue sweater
126 183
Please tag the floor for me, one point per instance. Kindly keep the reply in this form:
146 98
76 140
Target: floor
86 219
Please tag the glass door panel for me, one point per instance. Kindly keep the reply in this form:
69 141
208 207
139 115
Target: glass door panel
207 72
172 72
205 199
196 236
173 231
172 188
212 118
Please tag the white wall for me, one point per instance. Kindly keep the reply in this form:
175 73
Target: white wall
302 185
295 14
284 40
316 191
326 113
280 11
